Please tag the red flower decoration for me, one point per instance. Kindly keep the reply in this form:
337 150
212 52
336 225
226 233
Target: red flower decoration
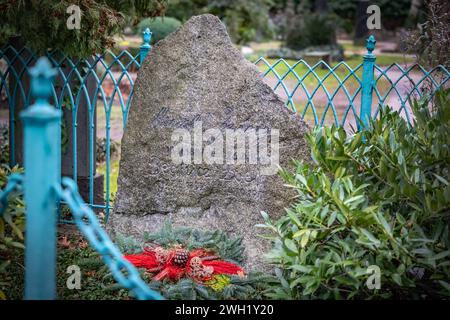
200 265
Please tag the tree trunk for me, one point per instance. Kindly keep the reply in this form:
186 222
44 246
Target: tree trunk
414 12
361 30
414 9
321 6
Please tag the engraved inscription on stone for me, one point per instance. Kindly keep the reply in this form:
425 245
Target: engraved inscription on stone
196 78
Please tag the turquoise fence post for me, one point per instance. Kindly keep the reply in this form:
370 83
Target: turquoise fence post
42 161
367 82
146 46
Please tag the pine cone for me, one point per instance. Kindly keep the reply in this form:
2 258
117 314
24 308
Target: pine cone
181 257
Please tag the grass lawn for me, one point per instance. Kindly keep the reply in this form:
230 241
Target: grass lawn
353 61
350 46
302 71
113 175
116 131
261 47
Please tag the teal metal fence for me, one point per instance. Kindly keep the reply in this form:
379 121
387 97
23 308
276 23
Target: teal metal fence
43 190
96 93
341 94
82 87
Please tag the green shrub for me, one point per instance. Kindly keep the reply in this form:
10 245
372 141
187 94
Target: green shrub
12 227
379 198
161 27
246 20
310 30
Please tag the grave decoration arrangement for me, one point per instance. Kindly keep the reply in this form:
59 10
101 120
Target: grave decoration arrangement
205 84
177 262
187 263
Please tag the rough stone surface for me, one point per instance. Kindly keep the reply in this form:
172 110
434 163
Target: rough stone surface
196 74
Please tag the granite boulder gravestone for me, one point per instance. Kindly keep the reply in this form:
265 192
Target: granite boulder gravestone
203 142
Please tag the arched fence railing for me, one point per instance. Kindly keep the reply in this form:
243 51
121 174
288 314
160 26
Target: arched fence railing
95 96
82 89
43 189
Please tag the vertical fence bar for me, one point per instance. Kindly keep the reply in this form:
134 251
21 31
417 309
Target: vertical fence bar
42 160
12 144
367 83
145 47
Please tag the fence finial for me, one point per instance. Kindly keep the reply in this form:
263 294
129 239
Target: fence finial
147 36
146 46
367 83
370 44
42 75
